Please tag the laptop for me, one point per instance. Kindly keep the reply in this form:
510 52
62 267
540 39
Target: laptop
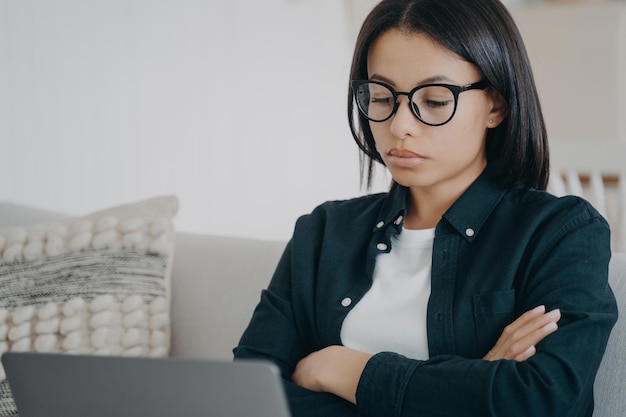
55 385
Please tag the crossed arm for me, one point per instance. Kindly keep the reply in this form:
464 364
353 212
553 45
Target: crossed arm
337 369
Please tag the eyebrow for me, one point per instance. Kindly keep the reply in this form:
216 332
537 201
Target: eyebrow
429 80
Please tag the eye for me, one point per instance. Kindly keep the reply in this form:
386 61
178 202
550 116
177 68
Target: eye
437 103
434 98
382 100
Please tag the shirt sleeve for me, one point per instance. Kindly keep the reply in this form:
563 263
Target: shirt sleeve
275 334
566 269
306 403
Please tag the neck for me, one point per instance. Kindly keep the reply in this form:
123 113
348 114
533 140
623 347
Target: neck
424 210
427 205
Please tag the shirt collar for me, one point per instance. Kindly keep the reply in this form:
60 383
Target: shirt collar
394 209
467 215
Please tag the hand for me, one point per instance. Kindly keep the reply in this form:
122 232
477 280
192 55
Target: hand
334 369
519 338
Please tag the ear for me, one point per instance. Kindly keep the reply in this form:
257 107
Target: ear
499 109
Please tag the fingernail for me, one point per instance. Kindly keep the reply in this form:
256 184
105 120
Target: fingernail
539 309
554 314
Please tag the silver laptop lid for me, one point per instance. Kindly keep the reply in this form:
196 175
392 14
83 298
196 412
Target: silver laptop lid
62 385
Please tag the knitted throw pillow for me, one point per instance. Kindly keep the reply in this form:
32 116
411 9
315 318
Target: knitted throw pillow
92 285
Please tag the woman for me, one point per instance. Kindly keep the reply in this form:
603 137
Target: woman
442 296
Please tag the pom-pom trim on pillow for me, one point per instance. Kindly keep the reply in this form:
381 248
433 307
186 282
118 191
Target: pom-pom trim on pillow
44 240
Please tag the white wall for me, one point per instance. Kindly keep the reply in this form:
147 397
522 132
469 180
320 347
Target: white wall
578 52
236 107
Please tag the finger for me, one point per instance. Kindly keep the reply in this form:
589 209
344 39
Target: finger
525 318
538 328
520 330
526 354
538 322
528 330
519 326
520 346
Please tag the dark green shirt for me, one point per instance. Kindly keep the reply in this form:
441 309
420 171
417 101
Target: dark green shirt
498 252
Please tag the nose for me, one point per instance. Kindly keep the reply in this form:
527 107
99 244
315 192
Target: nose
404 123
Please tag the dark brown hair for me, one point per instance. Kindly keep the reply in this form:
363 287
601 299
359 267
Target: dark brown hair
483 33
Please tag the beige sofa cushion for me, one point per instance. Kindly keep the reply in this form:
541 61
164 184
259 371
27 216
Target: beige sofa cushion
610 385
216 283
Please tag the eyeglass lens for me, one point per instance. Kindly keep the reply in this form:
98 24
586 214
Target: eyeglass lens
431 104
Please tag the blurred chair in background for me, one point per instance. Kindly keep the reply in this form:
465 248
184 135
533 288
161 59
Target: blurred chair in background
597 172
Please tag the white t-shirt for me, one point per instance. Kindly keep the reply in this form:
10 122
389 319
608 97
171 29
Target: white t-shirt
391 316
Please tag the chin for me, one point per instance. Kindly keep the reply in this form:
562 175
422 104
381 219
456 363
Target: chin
414 181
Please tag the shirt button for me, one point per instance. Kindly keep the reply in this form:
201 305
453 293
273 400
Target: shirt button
398 221
346 302
380 224
381 246
469 232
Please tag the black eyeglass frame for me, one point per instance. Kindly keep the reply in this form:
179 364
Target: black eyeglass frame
455 89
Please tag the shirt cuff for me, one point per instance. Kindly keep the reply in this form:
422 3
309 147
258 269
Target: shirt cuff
380 391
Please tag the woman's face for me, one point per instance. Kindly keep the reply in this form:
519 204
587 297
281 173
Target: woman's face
448 157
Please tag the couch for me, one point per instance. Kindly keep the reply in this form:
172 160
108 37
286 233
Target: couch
216 283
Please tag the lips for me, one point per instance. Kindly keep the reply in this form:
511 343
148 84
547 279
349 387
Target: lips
404 153
404 158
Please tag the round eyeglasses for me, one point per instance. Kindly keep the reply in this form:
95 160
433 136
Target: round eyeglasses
432 104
